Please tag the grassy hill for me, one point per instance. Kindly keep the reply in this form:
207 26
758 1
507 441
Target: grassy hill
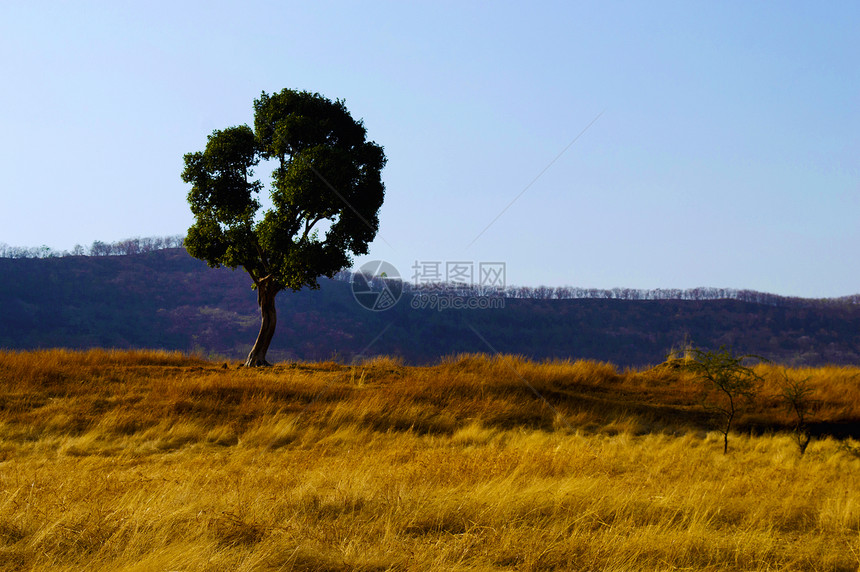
158 461
166 299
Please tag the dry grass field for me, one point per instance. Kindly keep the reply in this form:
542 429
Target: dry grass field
165 462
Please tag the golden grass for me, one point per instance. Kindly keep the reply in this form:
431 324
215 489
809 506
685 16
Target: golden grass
159 461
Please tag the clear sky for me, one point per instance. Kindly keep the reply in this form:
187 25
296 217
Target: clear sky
723 148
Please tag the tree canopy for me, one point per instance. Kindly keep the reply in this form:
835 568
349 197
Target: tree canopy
326 190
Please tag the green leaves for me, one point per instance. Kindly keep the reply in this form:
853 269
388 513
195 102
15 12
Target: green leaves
222 190
291 121
726 381
725 372
327 180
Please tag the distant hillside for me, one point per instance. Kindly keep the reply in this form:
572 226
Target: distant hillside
166 299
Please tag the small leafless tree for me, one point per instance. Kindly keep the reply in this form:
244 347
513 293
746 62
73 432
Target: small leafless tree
797 397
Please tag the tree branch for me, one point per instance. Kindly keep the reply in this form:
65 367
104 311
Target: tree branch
262 254
309 225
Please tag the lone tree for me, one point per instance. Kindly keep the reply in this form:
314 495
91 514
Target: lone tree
327 179
727 384
797 397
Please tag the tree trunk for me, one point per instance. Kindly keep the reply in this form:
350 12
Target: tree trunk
266 299
728 428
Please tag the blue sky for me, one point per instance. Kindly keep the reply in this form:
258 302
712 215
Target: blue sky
725 150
